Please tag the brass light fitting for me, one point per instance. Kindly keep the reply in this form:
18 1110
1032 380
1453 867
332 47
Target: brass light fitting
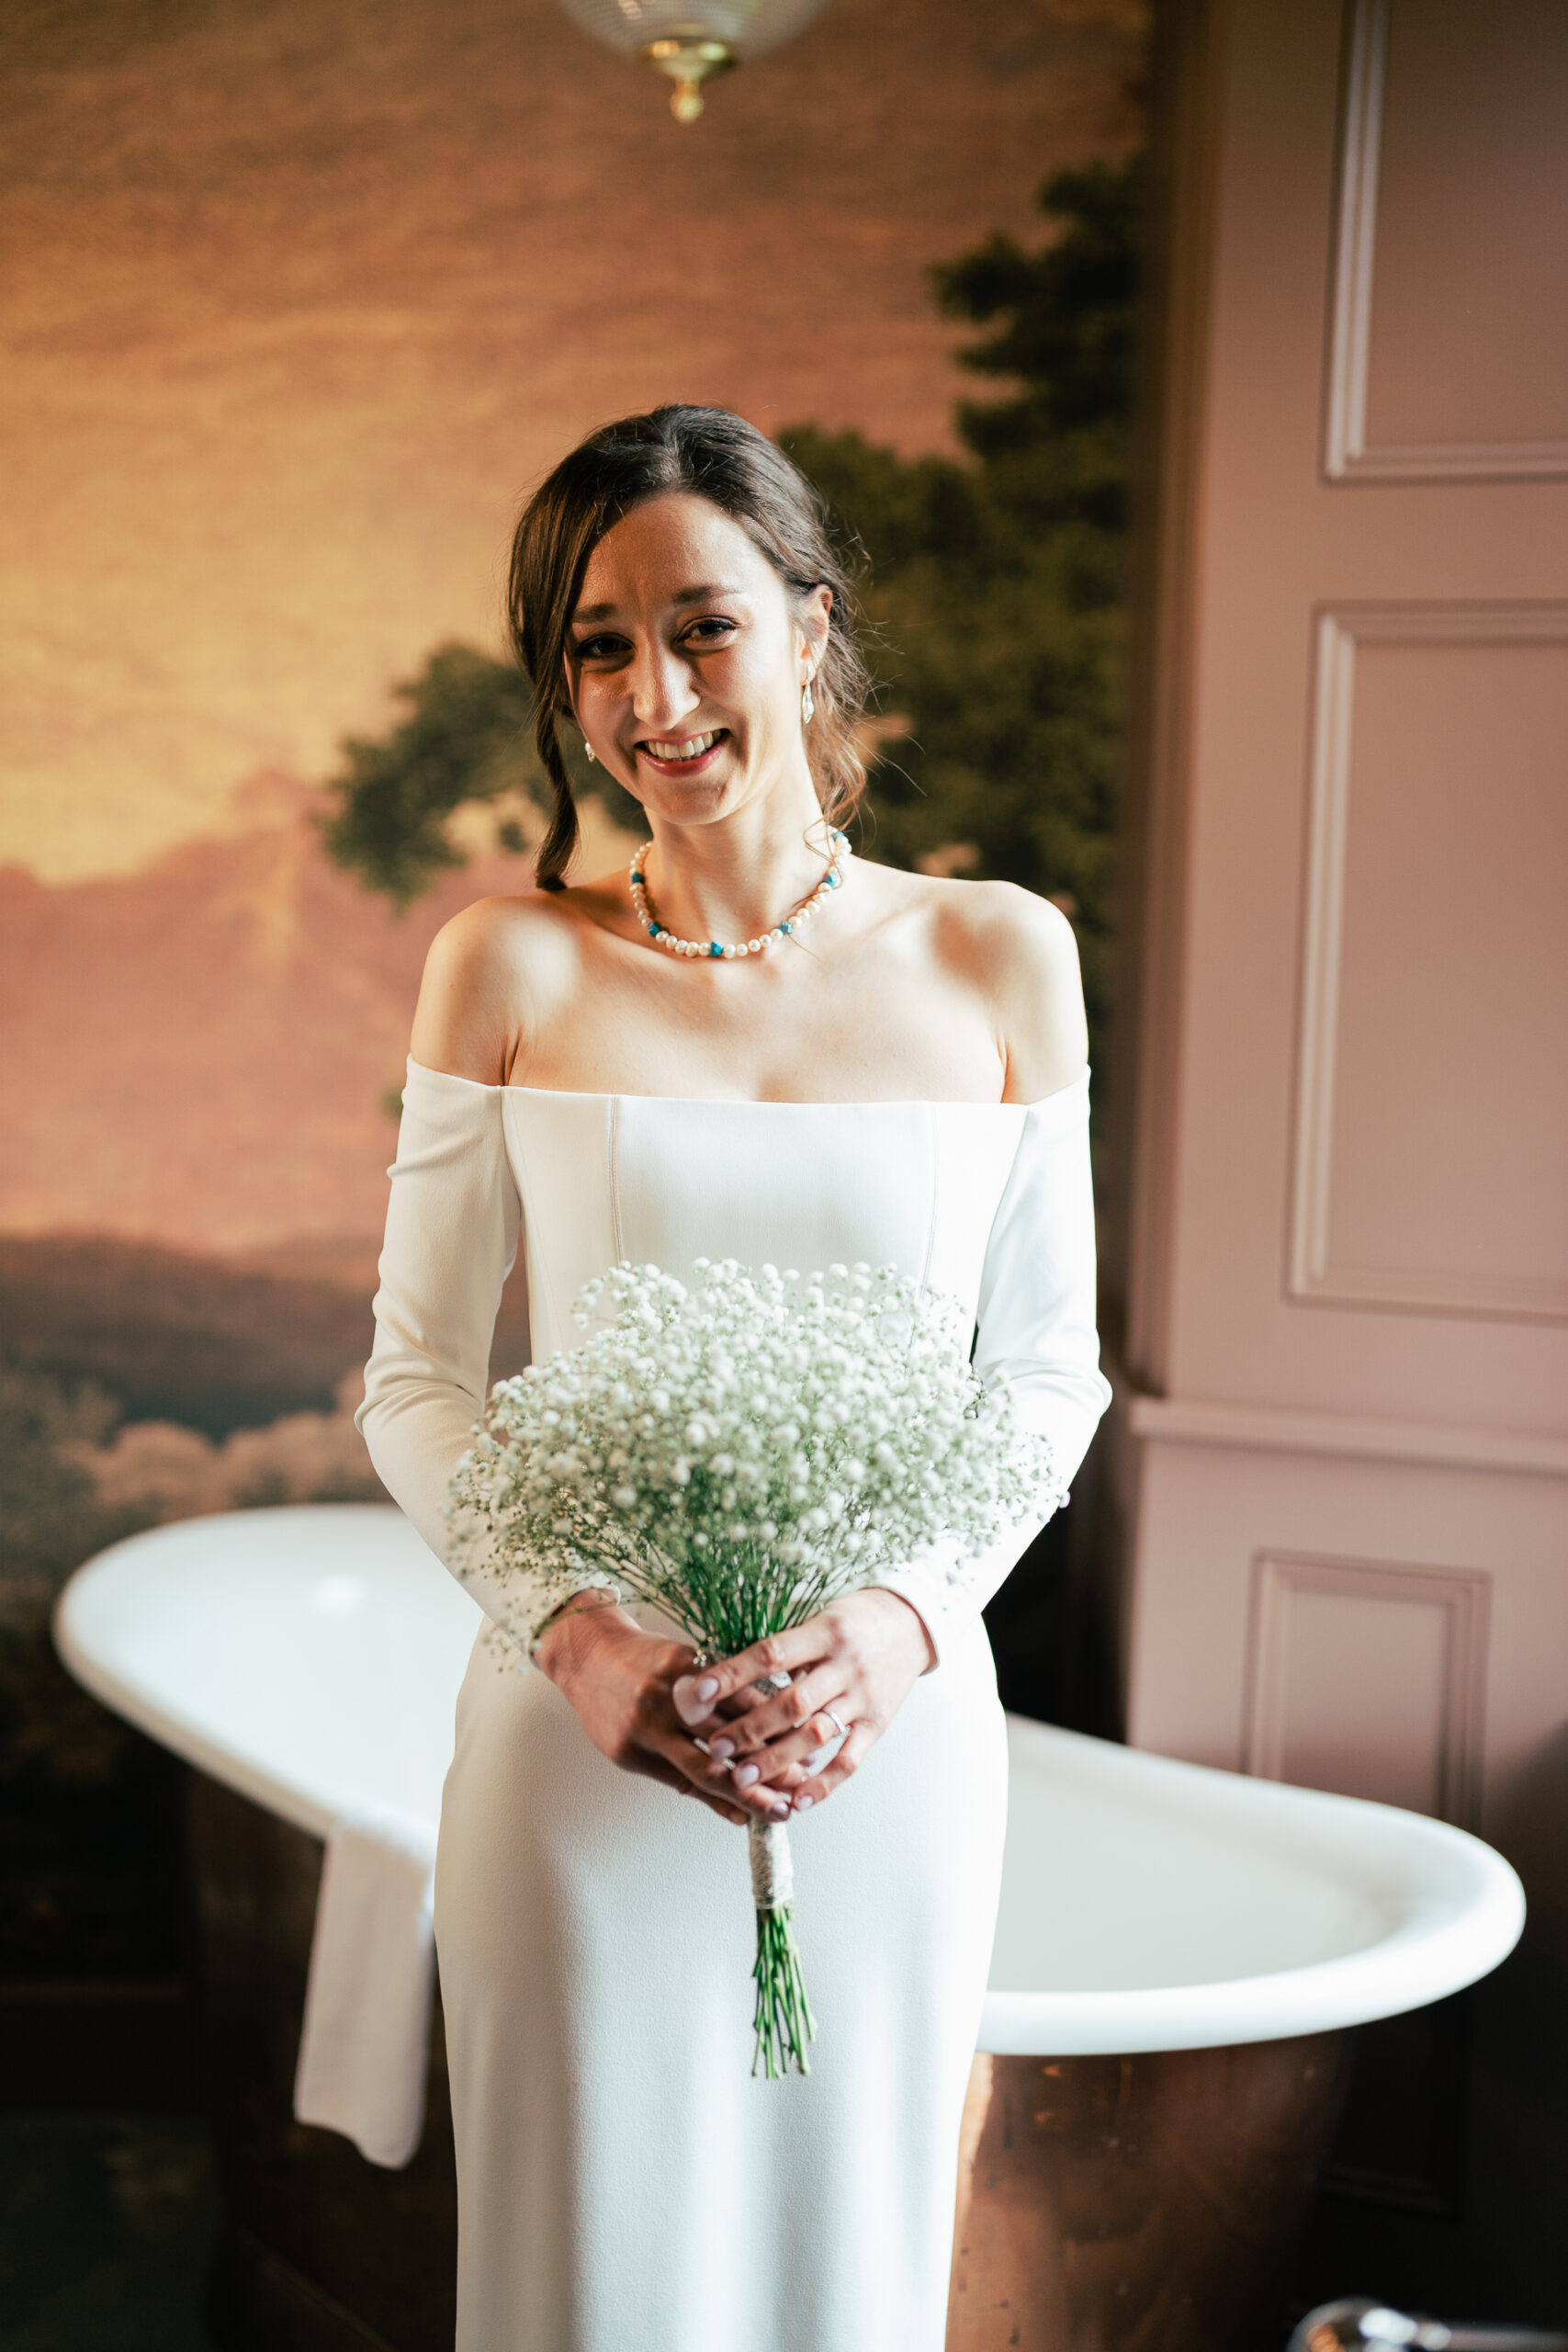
692 42
689 60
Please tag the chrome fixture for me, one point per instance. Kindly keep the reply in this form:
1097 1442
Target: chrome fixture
1361 2326
692 41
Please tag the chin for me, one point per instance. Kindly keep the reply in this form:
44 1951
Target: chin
701 802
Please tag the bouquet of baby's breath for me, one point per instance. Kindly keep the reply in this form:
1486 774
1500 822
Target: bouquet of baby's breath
739 1454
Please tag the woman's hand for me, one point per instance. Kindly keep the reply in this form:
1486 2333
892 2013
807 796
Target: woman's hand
618 1679
861 1657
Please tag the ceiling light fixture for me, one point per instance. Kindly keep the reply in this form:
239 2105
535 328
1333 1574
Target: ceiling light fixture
692 41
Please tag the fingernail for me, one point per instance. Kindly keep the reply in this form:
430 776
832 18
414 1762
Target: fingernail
692 1701
803 1801
781 1813
746 1773
721 1750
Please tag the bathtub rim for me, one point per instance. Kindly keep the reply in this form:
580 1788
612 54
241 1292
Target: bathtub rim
71 1626
1426 1954
1424 1958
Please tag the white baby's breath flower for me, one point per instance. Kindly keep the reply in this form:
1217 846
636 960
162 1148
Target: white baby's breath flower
742 1450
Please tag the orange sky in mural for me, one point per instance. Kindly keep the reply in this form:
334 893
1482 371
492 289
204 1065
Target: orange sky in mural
300 294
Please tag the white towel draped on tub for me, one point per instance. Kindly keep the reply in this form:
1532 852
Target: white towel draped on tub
365 2039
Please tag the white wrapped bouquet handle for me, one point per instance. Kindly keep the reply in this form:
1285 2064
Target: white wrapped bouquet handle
773 1866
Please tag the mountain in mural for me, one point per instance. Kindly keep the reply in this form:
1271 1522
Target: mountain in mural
203 1053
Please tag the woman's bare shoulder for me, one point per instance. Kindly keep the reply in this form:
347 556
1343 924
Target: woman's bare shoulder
488 972
1021 952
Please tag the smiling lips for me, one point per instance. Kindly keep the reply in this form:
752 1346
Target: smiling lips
687 754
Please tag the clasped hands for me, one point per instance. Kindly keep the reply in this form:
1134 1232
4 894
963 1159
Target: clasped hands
710 1733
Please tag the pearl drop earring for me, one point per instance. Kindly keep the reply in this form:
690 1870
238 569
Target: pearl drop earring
588 748
806 705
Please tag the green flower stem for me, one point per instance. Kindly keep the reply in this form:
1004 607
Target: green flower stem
783 2020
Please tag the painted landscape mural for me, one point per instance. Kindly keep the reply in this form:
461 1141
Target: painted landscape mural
302 301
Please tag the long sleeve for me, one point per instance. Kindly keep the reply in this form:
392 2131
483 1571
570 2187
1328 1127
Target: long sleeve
1035 1335
453 1224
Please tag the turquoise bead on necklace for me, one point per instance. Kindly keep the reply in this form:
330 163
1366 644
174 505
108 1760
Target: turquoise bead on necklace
787 928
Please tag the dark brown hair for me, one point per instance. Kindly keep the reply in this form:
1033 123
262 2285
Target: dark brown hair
721 458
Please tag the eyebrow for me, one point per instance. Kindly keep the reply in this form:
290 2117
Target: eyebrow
702 595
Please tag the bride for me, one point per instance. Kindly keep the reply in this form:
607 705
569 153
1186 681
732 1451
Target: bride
751 1045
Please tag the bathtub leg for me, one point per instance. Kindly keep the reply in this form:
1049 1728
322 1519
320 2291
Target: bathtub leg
1138 2204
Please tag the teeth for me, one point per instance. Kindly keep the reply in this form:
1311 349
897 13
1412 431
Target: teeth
692 749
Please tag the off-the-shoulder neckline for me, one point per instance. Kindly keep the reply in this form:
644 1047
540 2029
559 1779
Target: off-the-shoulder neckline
742 1103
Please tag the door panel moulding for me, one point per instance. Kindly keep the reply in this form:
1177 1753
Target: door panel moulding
1317 1697
1312 1273
1272 1428
1348 456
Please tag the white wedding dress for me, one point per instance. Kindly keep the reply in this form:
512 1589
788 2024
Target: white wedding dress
625 2184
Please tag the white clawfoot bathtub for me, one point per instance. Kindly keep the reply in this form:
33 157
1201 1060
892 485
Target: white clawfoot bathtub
308 1658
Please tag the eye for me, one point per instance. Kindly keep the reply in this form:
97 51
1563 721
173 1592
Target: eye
712 629
604 647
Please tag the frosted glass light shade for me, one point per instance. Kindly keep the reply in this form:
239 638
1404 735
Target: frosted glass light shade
746 27
690 40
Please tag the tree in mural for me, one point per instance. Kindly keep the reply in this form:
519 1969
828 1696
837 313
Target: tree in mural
995 585
465 740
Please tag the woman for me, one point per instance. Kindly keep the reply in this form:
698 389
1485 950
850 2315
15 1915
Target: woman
666 1065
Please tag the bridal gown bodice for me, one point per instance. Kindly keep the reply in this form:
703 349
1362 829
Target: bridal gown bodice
624 2184
801 1185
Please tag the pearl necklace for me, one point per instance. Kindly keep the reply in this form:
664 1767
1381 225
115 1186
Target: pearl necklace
787 929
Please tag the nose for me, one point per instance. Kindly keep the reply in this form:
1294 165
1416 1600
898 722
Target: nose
662 687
